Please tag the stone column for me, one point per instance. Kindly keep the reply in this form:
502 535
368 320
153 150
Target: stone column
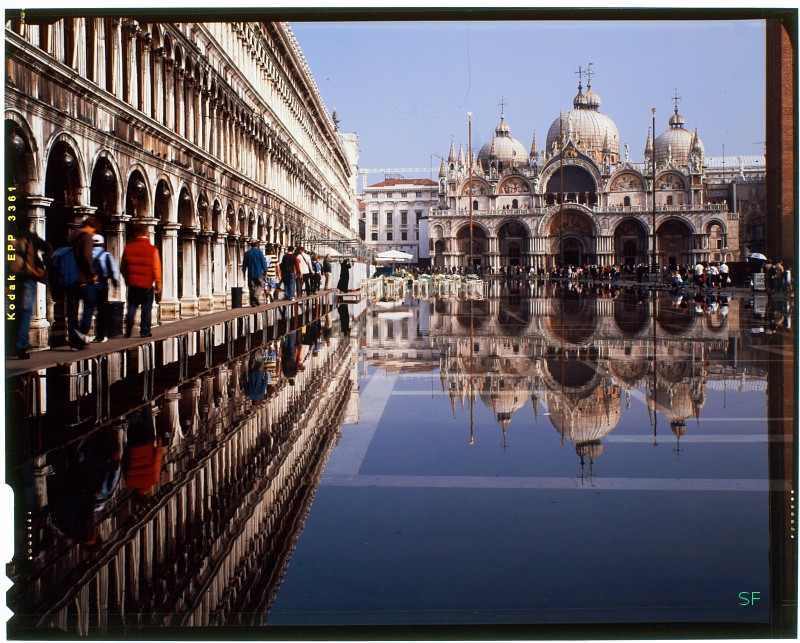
40 326
146 77
220 277
158 84
189 301
188 108
129 37
170 306
115 38
205 298
169 92
180 101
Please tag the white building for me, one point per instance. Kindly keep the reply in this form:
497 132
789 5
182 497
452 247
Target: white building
394 214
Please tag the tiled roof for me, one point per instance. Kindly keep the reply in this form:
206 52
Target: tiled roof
748 160
393 182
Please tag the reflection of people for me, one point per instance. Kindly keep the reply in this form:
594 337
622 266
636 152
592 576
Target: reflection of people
344 319
142 461
327 274
255 386
290 357
84 477
344 276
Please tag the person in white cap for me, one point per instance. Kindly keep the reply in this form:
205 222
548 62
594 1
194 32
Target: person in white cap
107 273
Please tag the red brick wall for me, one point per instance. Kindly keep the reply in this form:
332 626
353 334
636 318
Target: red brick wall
781 143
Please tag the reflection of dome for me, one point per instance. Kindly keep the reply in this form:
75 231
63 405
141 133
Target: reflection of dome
587 419
502 148
677 402
677 141
504 396
586 124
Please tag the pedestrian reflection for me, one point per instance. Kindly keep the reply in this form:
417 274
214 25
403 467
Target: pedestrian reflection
144 452
84 478
291 357
344 319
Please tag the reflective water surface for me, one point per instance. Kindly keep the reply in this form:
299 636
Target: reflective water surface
541 455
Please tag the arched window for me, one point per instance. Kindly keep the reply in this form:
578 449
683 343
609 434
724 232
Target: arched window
626 200
475 205
669 200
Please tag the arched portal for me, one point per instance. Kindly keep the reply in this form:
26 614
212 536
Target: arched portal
480 246
513 243
62 184
673 243
571 239
630 243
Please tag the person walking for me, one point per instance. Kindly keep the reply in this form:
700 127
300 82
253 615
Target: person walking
724 274
271 280
327 272
141 267
306 272
288 272
85 289
254 267
316 275
32 255
107 271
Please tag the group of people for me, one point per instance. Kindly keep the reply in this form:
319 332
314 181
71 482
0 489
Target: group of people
87 275
297 273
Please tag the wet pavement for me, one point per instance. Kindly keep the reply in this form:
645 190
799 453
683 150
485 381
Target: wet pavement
537 460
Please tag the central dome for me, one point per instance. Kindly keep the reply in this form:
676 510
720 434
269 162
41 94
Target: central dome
590 129
677 144
504 150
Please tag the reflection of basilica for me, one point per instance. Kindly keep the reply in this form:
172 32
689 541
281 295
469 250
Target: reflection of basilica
581 199
578 355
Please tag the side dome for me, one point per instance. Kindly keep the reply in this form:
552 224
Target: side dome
504 150
677 143
593 131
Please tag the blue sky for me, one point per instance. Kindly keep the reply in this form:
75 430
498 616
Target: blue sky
405 87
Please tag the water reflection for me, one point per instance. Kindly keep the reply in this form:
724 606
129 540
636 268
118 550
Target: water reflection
185 509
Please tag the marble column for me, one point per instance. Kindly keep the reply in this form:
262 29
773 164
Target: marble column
40 326
220 276
115 236
189 301
204 262
170 306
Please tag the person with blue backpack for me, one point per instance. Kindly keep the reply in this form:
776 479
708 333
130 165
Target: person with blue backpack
84 288
107 273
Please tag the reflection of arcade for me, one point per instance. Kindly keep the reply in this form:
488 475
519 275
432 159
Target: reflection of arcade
216 488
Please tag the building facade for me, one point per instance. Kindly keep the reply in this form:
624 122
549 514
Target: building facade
395 212
583 200
210 134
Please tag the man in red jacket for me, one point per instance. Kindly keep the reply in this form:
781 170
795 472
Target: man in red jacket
141 267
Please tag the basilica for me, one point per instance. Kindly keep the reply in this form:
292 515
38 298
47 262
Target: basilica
581 200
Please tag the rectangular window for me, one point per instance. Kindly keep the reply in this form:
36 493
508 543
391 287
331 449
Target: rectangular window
419 195
374 236
388 236
404 195
388 218
404 236
374 218
403 218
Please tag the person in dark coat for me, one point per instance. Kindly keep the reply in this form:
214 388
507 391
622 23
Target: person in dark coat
85 290
344 276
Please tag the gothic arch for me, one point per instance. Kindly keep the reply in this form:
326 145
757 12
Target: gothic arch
105 184
76 175
164 201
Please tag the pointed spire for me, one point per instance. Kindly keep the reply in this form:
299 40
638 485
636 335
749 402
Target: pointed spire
606 149
696 146
441 169
648 147
452 156
534 151
461 158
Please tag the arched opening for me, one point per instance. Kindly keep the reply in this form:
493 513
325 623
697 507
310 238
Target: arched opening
571 238
480 246
62 184
513 243
578 186
674 243
630 243
626 201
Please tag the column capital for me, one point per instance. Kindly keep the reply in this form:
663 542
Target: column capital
38 201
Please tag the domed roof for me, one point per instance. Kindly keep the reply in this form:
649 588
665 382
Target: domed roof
589 419
677 143
503 148
586 125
